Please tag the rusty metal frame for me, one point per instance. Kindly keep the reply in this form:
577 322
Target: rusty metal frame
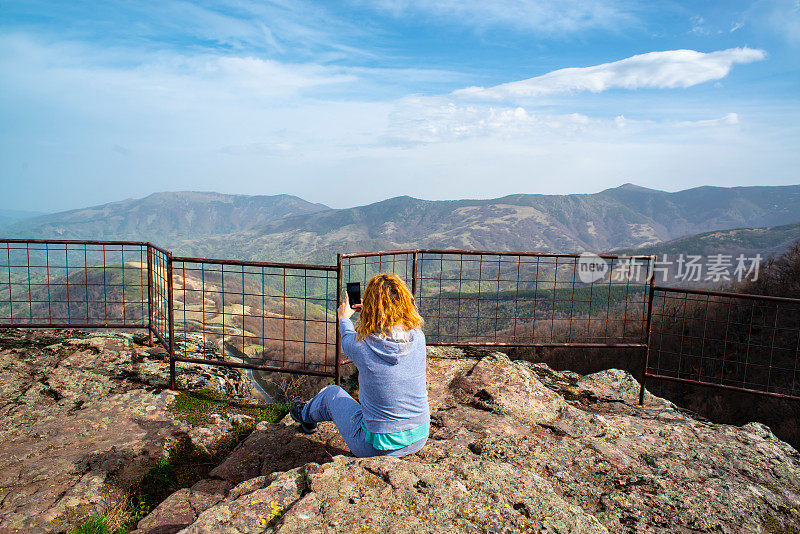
159 292
766 333
648 331
107 320
171 318
150 295
244 272
160 306
338 354
416 258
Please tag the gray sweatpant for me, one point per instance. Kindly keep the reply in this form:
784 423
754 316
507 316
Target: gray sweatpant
333 403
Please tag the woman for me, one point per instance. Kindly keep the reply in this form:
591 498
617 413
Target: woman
388 347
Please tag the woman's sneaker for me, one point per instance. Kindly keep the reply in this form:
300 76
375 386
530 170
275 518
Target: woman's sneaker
296 411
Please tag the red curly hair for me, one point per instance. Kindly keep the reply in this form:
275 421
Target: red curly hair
387 302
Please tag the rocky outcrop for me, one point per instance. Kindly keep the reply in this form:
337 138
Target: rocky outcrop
83 417
514 447
270 449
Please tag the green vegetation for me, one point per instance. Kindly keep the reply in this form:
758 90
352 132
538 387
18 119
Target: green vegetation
772 526
186 463
197 406
483 314
578 300
98 524
184 460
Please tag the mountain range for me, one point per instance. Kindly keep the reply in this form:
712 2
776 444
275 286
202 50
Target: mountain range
747 241
11 216
164 218
288 228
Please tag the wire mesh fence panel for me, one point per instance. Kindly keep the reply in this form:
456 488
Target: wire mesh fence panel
499 298
360 267
282 317
159 294
279 317
728 340
62 283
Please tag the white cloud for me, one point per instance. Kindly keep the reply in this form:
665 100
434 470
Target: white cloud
110 123
731 119
721 123
660 70
779 18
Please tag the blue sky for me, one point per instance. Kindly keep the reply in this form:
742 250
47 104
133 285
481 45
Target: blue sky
350 102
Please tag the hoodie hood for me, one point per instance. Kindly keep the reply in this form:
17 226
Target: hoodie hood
391 348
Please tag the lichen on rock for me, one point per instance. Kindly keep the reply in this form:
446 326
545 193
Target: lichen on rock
514 447
84 416
518 447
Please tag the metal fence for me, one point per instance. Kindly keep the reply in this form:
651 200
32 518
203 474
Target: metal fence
499 298
256 315
282 316
726 340
81 284
158 292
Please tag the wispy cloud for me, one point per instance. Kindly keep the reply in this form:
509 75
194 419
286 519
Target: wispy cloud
296 30
425 120
419 121
660 70
546 17
86 74
296 96
168 78
699 26
768 18
782 17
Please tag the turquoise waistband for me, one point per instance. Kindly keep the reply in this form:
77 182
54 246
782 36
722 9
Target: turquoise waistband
390 441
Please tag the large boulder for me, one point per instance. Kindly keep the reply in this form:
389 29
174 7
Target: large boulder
518 447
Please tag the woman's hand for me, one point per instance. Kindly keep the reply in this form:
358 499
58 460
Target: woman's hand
344 310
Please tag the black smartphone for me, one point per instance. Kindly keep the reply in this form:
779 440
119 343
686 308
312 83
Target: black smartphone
354 293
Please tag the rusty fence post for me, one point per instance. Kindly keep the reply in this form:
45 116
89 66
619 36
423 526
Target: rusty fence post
337 373
414 274
171 319
647 330
149 295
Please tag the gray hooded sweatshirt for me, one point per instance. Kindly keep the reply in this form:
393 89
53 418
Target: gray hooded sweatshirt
391 377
